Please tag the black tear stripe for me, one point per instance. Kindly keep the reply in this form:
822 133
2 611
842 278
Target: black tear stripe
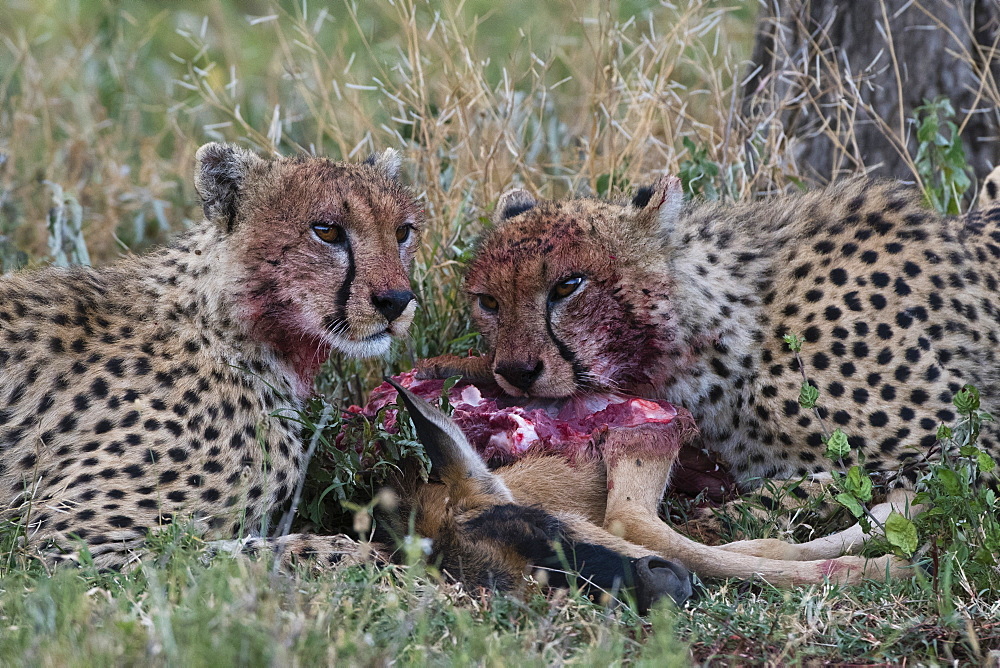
579 371
343 293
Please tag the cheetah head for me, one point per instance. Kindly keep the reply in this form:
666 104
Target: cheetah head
569 294
323 247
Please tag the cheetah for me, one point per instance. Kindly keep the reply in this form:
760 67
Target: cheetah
154 389
690 303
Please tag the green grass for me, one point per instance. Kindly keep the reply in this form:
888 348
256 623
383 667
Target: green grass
176 610
102 105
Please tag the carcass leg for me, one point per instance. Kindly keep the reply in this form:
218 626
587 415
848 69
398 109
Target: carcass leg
639 464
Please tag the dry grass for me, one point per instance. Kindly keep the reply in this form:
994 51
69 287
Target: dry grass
110 104
556 112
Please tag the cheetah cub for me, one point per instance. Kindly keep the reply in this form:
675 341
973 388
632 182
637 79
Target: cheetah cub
149 390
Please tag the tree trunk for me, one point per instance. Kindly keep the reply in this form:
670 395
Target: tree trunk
842 79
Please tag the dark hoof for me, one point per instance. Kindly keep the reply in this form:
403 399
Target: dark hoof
656 578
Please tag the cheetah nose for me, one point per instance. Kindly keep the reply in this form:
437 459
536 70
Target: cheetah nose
391 303
520 374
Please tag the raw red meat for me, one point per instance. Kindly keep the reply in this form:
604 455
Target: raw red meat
504 428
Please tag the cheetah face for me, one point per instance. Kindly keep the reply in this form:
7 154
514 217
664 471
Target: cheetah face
325 247
559 291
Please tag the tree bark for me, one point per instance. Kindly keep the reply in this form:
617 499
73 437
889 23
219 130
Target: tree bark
842 79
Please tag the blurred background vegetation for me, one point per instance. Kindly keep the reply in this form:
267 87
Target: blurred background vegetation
110 99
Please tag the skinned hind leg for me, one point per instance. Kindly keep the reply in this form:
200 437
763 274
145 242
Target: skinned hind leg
848 541
638 468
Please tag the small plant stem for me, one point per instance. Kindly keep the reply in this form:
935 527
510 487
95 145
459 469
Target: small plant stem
805 379
286 520
826 434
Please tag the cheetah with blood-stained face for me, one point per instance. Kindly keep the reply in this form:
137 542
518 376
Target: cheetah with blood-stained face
898 308
152 390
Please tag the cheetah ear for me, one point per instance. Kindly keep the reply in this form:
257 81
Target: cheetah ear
989 196
221 174
512 203
660 203
388 161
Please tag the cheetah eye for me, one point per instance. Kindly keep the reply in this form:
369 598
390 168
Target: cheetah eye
488 303
565 288
331 234
403 233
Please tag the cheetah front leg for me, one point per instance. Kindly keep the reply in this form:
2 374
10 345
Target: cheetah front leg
638 470
318 553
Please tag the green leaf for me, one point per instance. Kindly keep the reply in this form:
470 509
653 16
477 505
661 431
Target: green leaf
985 557
794 342
445 393
837 446
698 172
859 484
603 185
924 135
949 479
943 432
986 463
967 400
850 503
808 396
940 161
901 532
927 130
449 383
968 451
